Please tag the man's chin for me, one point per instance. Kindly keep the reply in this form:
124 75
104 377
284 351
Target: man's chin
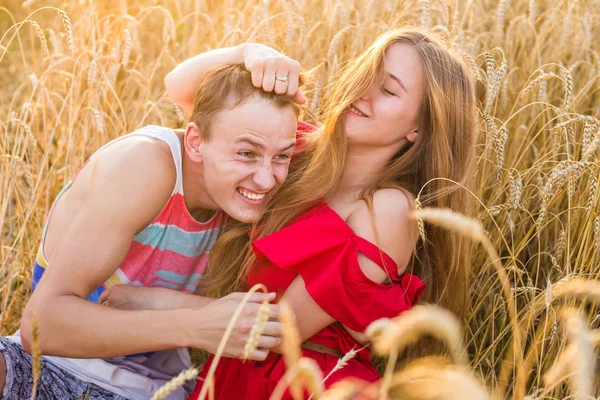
246 216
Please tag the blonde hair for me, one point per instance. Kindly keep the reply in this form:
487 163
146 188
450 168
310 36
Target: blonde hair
444 149
228 86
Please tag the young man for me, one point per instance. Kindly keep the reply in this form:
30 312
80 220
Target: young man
146 210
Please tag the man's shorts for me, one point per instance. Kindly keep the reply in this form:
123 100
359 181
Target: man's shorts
54 383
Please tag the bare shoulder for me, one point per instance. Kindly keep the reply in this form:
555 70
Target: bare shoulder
135 175
387 224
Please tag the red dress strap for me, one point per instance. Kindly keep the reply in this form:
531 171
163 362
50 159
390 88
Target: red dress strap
378 256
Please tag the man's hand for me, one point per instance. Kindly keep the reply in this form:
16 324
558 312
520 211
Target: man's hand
266 65
207 328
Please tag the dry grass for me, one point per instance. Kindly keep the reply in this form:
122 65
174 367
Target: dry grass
74 77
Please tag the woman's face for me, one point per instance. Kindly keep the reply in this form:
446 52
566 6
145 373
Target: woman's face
387 114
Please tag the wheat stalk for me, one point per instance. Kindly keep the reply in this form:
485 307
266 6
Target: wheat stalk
173 384
68 30
411 325
208 381
577 359
425 379
306 373
39 33
257 329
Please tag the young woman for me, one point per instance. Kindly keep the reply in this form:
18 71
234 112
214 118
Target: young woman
336 240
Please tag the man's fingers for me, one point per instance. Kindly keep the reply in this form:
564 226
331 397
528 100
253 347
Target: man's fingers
272 328
259 355
257 297
274 312
268 342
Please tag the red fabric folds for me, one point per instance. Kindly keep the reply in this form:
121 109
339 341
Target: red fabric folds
323 249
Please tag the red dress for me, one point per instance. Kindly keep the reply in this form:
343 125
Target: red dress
323 249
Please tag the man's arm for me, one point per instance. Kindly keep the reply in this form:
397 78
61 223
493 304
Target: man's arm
262 61
121 192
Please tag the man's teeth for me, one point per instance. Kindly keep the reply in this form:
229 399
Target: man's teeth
354 110
249 195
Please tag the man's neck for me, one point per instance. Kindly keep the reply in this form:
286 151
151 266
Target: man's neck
197 200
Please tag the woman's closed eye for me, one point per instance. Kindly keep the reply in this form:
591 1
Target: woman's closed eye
387 92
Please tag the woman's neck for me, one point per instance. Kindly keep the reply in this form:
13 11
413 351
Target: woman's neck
363 166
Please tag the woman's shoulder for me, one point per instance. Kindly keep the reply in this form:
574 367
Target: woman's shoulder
387 222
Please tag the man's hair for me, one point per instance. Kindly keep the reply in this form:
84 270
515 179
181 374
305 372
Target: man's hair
226 87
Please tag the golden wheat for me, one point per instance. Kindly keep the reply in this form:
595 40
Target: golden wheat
173 384
76 77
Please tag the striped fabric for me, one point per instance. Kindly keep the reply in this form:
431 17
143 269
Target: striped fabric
171 252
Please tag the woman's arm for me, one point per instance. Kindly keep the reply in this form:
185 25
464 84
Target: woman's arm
395 237
263 62
129 297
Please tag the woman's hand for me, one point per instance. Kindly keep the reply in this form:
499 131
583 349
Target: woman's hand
126 297
272 70
265 64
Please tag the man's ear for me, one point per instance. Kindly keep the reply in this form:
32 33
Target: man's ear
193 141
413 136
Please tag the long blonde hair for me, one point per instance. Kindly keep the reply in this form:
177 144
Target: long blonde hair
445 149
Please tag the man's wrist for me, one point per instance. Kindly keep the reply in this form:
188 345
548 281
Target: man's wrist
181 324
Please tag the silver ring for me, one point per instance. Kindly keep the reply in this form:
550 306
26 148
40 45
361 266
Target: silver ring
282 79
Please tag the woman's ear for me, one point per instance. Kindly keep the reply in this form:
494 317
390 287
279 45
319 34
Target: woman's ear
413 136
193 141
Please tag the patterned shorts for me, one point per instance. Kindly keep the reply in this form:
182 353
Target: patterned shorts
54 383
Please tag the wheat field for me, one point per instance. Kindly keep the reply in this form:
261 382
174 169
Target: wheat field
75 74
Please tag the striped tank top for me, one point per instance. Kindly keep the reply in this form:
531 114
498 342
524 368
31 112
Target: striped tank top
172 252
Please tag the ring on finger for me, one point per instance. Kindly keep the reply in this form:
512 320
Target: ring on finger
283 79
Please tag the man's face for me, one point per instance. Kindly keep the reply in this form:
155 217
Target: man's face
246 159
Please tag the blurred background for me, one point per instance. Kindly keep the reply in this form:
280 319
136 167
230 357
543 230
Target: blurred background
76 74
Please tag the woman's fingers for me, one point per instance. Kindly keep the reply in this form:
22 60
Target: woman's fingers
277 73
281 82
293 74
257 76
268 83
299 97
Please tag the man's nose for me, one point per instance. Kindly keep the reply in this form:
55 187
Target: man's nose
264 177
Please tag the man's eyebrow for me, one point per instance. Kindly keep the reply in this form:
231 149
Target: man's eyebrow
293 144
251 142
261 146
394 77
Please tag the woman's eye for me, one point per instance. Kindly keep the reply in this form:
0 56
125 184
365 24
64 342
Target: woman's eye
387 92
247 154
283 157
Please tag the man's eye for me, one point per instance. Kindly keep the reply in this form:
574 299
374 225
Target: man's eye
247 154
387 92
282 157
